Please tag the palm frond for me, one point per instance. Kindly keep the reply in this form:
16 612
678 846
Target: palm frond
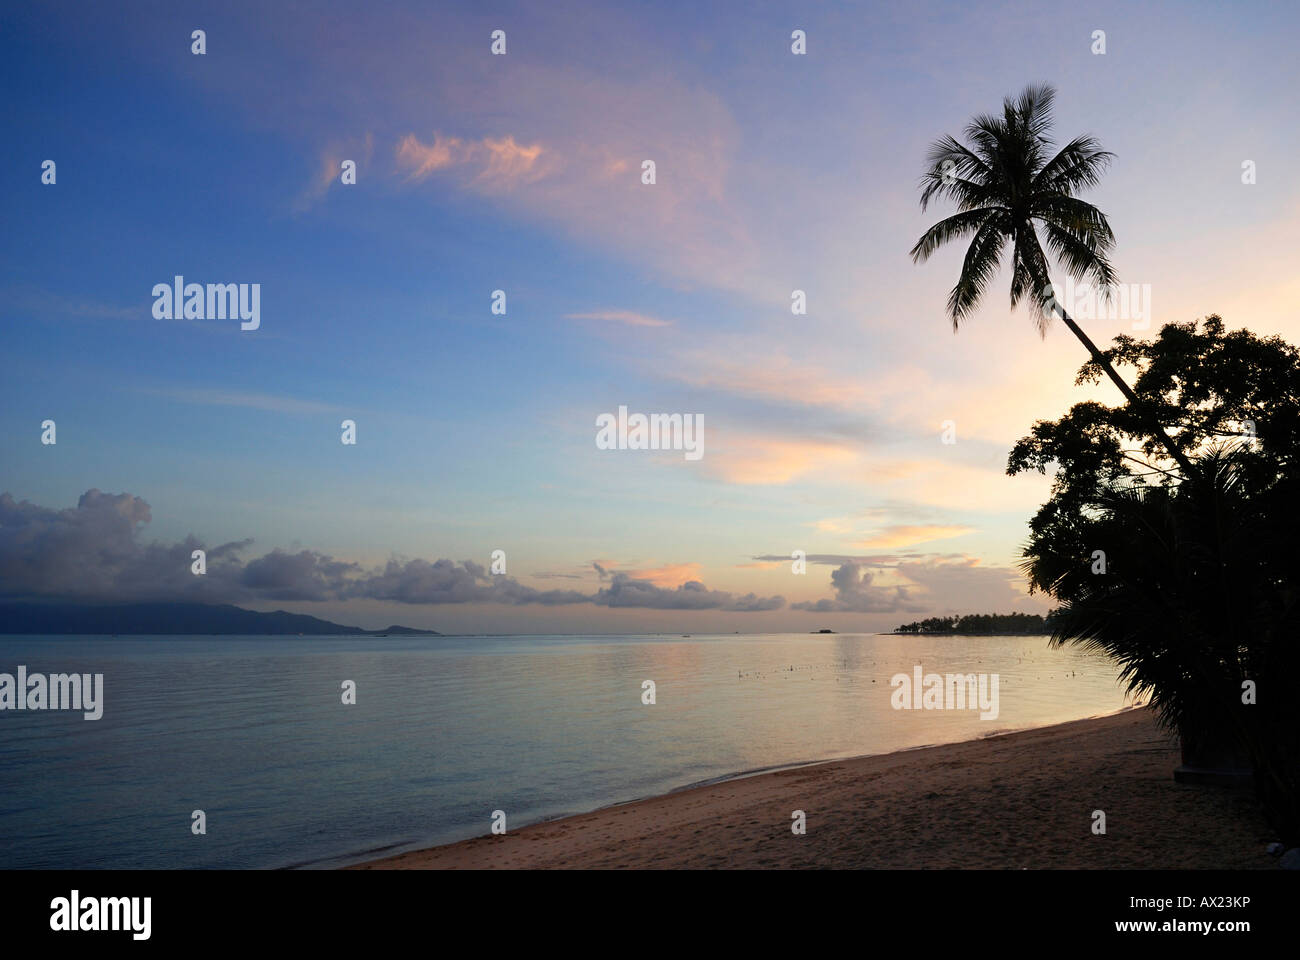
1078 165
1075 216
1034 109
987 135
978 268
968 194
1036 281
948 160
1024 283
1081 260
951 228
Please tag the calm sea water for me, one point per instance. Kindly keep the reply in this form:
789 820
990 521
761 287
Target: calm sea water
446 730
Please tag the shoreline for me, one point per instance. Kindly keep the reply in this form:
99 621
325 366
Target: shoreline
1015 799
363 860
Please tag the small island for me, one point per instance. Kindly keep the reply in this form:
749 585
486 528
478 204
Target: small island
983 624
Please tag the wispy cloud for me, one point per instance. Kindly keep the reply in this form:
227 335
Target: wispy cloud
669 575
904 535
628 317
42 303
740 368
950 484
329 168
233 398
499 163
756 459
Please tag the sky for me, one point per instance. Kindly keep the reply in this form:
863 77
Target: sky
523 172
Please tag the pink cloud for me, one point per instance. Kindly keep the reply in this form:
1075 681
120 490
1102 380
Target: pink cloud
668 575
732 367
426 159
773 460
905 535
329 168
502 163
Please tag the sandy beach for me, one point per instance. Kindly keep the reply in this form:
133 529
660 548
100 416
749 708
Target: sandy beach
1019 800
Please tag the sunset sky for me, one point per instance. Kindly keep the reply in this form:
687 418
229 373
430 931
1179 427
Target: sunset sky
475 431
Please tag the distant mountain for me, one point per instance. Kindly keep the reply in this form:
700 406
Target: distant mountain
175 618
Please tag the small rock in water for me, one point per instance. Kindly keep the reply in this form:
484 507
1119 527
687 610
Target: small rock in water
1291 859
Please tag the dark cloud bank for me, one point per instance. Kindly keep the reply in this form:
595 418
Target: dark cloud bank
94 552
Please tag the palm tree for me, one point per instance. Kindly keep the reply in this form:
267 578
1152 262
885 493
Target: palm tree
1005 185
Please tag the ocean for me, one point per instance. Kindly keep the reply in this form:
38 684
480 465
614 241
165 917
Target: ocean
444 731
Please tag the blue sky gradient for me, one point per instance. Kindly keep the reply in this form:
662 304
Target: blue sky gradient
475 431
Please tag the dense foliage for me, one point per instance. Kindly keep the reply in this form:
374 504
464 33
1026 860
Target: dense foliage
980 624
1186 577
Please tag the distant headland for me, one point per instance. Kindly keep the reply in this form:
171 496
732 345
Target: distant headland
982 624
191 619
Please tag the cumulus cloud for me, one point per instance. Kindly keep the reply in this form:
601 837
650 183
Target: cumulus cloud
626 591
963 583
305 575
856 593
446 581
930 583
95 552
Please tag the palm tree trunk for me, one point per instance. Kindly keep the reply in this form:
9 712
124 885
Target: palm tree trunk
1138 406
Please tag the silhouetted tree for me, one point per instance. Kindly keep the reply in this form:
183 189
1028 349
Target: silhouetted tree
1189 583
1007 184
980 624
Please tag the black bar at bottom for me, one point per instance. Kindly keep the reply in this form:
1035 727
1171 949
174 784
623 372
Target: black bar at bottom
644 909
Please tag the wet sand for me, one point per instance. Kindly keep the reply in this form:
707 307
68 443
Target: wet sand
1019 800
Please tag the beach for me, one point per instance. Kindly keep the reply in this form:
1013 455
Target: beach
1022 800
446 730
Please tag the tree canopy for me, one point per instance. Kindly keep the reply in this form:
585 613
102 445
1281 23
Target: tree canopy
980 624
1187 578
